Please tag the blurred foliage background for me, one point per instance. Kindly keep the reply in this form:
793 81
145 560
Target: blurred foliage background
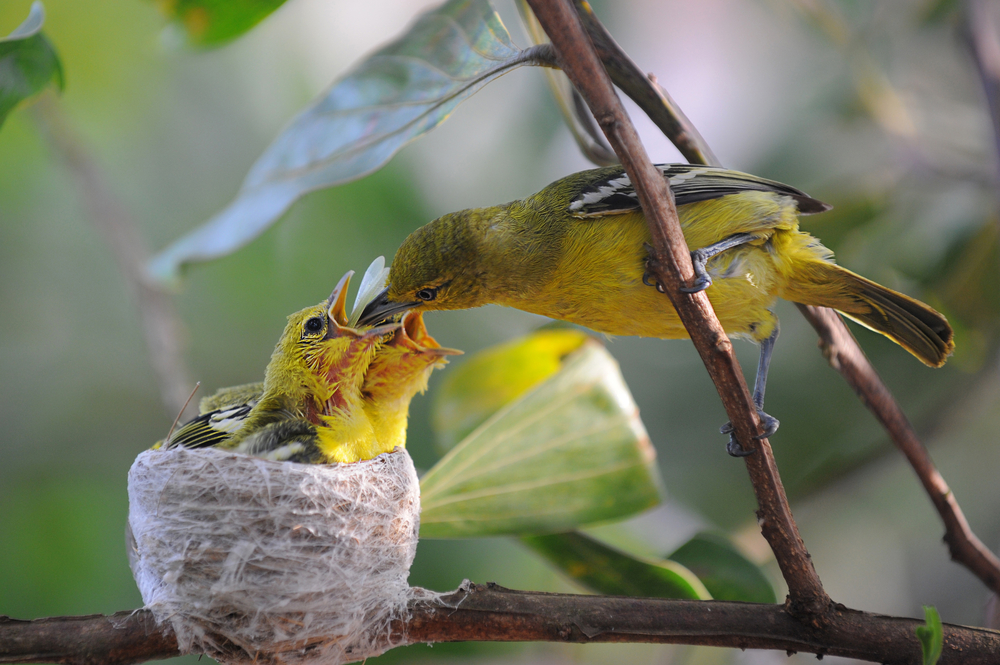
876 108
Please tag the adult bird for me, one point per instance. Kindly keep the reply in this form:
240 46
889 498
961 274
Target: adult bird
578 251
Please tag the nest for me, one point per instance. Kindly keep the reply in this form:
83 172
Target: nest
250 560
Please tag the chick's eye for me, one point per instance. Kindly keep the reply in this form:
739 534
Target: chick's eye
314 325
427 294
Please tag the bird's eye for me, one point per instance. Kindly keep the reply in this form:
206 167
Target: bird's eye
427 294
314 325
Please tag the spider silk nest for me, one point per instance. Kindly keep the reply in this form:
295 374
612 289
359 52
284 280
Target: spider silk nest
286 562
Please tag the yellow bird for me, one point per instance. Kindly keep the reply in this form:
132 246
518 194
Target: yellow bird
310 407
398 372
578 251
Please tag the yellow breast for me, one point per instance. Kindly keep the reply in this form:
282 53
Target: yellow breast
598 282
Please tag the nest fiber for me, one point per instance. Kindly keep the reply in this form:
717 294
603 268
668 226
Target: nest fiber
253 560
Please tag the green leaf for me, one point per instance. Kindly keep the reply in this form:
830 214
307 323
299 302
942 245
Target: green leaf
726 573
570 451
483 384
931 636
212 22
27 62
395 95
603 569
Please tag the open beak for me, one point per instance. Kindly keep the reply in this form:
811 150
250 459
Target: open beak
337 302
380 309
414 335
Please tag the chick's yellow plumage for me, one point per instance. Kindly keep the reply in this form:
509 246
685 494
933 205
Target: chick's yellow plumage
398 372
310 407
334 391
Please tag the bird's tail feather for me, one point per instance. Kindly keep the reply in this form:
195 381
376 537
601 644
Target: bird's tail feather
910 323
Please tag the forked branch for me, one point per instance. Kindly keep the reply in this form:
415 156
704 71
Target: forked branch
673 269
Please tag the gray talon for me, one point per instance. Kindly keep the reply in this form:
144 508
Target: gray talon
767 422
736 450
701 281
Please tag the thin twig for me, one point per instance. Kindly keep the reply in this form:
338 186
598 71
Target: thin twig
845 356
160 324
673 269
477 613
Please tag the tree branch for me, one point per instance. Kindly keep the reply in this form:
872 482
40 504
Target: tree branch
845 356
476 613
673 269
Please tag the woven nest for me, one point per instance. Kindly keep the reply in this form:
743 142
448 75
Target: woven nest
251 560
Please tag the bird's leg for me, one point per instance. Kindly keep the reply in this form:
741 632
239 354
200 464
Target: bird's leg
700 258
767 422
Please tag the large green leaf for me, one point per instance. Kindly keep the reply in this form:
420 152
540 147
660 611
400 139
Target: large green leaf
570 451
398 93
603 569
483 384
27 62
212 22
726 573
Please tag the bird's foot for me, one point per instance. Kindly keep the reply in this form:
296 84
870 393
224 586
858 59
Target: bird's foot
651 265
702 280
767 422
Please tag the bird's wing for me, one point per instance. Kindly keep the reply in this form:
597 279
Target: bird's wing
289 440
613 193
211 428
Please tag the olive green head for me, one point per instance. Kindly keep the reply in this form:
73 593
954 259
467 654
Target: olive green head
442 265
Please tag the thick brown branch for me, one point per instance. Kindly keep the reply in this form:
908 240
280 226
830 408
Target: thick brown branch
845 356
581 64
124 637
478 613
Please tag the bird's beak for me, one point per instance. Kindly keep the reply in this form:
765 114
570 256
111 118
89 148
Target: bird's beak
337 302
380 309
414 335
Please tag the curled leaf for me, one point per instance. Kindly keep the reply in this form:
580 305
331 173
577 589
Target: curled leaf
570 451
395 95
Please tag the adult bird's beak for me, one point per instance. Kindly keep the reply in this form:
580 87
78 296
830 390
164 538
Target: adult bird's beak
380 309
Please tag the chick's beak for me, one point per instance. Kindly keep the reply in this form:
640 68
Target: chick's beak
381 309
415 336
337 304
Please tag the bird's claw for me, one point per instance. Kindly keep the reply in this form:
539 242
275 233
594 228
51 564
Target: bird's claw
767 422
701 282
651 264
736 450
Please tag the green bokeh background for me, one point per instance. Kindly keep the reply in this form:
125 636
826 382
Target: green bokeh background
910 169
